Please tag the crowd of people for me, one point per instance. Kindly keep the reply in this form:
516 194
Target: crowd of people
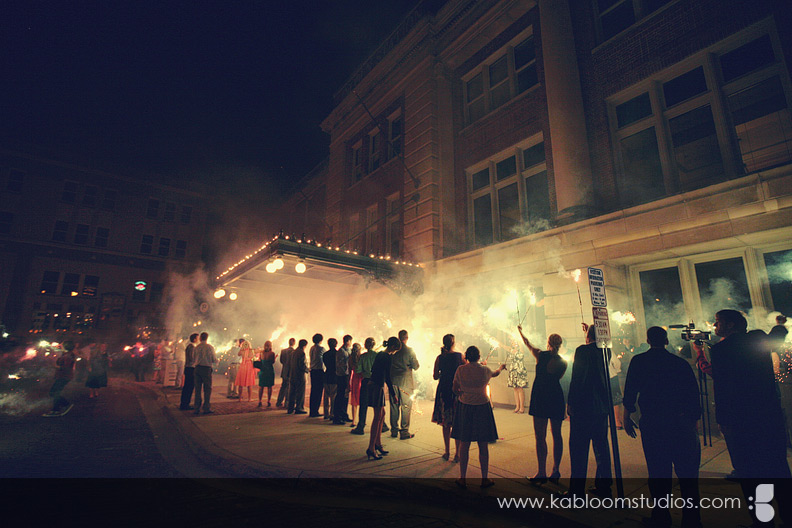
348 380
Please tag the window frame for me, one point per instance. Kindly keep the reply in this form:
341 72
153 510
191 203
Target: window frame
640 9
519 177
483 69
715 97
394 152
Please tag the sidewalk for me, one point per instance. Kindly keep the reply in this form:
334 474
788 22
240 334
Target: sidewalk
269 443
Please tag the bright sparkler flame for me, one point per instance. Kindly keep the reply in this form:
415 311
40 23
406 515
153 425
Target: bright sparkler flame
576 275
30 353
127 348
532 298
623 318
13 376
43 343
277 333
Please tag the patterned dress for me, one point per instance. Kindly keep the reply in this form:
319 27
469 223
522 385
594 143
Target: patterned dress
518 374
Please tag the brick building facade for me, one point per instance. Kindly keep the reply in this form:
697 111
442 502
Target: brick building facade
83 252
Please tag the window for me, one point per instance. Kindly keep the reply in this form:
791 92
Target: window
675 135
49 283
181 249
71 284
374 150
510 72
60 231
722 284
138 295
81 234
109 201
69 194
357 162
102 236
780 279
661 292
617 15
164 247
186 214
393 223
146 244
15 180
152 211
510 194
170 212
90 286
6 221
90 196
156 292
395 132
371 229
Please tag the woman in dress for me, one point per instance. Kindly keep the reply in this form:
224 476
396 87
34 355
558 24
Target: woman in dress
266 376
445 367
473 418
355 378
518 379
547 403
380 376
246 375
97 370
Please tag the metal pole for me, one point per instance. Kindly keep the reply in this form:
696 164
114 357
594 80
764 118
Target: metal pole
612 419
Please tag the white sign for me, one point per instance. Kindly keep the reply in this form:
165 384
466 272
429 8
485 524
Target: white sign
602 327
597 287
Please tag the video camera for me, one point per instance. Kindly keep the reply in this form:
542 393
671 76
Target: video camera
691 333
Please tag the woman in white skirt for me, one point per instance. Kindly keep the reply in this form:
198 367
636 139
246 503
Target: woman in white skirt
473 418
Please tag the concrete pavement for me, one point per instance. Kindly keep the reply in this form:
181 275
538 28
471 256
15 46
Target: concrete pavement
272 444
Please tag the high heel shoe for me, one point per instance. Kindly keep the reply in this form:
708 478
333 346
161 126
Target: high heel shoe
372 454
537 480
381 450
554 477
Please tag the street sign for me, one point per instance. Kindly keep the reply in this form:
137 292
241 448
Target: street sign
602 327
597 287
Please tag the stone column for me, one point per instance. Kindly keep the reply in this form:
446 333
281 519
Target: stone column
571 160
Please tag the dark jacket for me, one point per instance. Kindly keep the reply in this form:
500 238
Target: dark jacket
589 386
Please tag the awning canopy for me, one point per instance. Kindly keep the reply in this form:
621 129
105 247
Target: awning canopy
322 263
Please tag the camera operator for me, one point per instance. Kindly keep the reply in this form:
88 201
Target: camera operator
747 407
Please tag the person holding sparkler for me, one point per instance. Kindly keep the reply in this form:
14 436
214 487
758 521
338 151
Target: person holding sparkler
547 403
445 368
380 376
473 418
403 363
246 376
266 375
63 376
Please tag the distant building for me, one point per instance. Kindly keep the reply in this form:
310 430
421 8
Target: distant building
652 139
83 252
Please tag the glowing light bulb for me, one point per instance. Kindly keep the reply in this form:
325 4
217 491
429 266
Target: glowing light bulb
271 268
300 267
279 263
219 293
233 296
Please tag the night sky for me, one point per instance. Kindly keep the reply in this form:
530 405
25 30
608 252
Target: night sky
230 91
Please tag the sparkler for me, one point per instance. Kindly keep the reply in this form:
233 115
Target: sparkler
576 276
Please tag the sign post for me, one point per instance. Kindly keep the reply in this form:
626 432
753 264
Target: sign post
602 327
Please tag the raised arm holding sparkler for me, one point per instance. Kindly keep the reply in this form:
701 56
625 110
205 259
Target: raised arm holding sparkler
535 351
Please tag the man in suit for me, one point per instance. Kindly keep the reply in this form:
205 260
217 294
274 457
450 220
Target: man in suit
403 363
588 407
285 361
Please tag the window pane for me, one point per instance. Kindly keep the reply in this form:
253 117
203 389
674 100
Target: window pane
481 179
81 234
642 180
49 282
779 272
477 110
526 78
509 211
696 150
617 20
71 284
90 285
90 196
482 220
498 71
69 194
533 155
722 285
538 202
102 234
763 125
186 214
633 110
747 58
146 243
506 168
170 212
684 87
164 247
661 291
524 53
475 88
59 233
500 95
